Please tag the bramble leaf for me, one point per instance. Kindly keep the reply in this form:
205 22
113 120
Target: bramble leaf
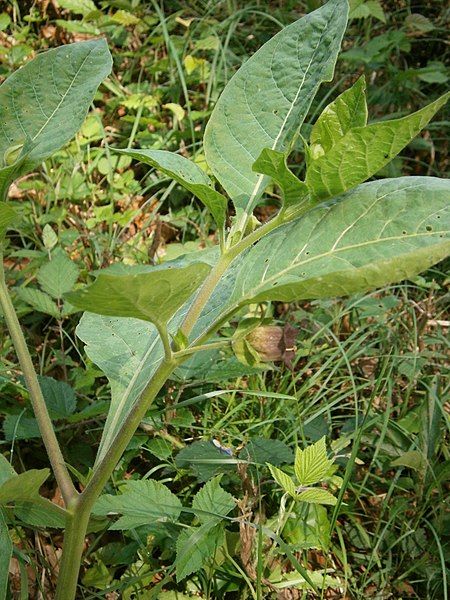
196 546
348 111
286 482
140 503
186 173
311 464
316 496
363 151
212 502
268 98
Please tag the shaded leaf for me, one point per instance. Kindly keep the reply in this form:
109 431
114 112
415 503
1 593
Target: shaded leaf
205 460
59 397
186 173
267 100
18 427
262 451
40 301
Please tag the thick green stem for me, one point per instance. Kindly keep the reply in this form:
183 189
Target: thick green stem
56 458
81 508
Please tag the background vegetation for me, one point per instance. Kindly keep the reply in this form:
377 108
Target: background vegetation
369 372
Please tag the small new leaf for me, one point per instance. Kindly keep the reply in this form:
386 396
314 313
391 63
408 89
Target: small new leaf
286 483
312 465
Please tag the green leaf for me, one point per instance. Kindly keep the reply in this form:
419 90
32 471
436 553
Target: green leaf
186 173
363 151
348 111
59 397
43 104
7 217
6 469
273 164
40 301
379 233
5 556
413 459
140 503
40 512
212 502
312 465
267 100
23 486
286 482
153 296
59 275
196 546
205 460
18 427
79 7
316 496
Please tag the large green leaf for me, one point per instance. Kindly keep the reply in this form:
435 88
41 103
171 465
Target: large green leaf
348 111
154 296
140 503
363 151
212 502
379 233
43 104
24 486
196 546
268 99
186 173
129 350
295 192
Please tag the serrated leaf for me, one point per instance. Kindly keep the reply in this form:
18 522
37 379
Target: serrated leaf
40 301
40 512
196 546
273 164
153 296
363 151
23 486
59 275
263 450
186 173
44 103
18 427
59 397
379 233
269 98
348 111
140 503
7 216
212 502
316 496
311 464
5 556
49 237
286 482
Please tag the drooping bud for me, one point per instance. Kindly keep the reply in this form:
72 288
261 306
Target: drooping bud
267 343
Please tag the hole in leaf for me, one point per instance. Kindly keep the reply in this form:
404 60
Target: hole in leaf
404 232
429 228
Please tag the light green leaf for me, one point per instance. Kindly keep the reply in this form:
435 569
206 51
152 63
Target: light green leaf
363 151
273 164
49 237
44 103
78 7
212 502
40 301
286 482
59 275
7 217
379 233
23 486
154 296
348 111
316 496
140 503
6 469
186 173
5 556
196 546
268 99
311 464
361 9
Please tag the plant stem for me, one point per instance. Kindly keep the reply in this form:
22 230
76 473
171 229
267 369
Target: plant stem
55 456
82 506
